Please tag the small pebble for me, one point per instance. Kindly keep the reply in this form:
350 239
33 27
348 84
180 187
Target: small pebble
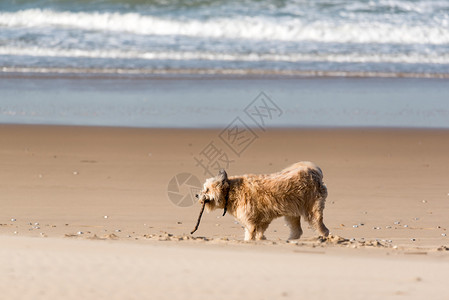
36 223
179 223
79 232
405 226
397 222
413 240
424 201
376 228
15 232
13 220
118 230
443 234
75 172
416 219
105 217
352 240
388 227
355 226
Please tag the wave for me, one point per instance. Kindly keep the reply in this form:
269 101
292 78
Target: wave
53 72
238 27
406 58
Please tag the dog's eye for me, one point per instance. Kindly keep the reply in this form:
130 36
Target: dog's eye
207 190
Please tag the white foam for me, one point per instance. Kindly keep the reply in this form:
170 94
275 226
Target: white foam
409 58
251 28
70 71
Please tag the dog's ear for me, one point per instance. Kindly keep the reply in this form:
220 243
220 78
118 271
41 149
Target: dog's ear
222 176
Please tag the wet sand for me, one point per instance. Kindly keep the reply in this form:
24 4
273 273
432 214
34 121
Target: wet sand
93 201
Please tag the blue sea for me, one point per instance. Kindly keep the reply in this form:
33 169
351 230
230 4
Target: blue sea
330 37
198 63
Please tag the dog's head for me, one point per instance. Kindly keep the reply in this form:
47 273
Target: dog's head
215 191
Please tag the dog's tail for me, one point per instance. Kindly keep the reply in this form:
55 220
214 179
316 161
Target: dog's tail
317 176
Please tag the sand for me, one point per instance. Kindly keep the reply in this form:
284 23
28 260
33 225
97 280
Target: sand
85 213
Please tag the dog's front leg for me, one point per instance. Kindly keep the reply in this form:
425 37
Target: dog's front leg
250 232
295 227
260 230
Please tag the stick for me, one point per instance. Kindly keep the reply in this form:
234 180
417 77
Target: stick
199 217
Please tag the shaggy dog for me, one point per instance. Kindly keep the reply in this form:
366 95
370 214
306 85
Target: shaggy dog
256 200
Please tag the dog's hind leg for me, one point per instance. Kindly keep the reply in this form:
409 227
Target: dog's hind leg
295 227
317 218
319 225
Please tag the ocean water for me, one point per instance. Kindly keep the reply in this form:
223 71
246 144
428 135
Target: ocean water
199 63
137 37
216 103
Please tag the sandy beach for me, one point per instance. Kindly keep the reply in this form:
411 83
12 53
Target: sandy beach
114 113
81 205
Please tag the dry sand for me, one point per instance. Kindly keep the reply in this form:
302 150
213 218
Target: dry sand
387 211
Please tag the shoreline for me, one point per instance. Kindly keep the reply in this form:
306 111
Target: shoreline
211 74
219 129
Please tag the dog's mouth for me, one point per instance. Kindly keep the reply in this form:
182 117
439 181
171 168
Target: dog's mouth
204 200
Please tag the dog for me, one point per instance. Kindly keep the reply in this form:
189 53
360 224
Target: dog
256 200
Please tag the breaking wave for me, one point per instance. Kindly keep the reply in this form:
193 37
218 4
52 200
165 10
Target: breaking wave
241 27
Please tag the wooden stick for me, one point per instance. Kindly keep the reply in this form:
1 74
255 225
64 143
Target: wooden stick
199 218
